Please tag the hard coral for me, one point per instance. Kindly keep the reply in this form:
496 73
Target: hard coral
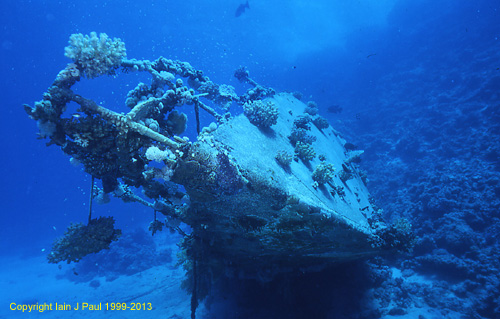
283 158
261 114
304 151
320 122
303 121
80 240
300 135
323 173
312 108
153 153
95 55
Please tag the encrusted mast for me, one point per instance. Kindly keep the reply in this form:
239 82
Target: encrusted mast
272 189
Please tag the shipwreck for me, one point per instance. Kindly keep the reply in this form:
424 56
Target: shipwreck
274 188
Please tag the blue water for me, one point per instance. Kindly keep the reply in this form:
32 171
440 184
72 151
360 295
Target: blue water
419 87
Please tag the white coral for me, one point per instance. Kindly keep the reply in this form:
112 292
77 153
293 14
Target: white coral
46 128
164 173
153 153
95 55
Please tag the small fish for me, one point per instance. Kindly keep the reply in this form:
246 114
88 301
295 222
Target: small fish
241 9
335 109
370 55
54 228
76 115
43 249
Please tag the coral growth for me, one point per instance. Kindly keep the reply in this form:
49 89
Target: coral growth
69 75
242 74
303 121
258 92
223 95
323 173
155 226
345 175
398 236
142 92
80 240
320 122
284 158
153 153
46 128
261 114
304 151
298 95
301 126
95 56
312 108
300 135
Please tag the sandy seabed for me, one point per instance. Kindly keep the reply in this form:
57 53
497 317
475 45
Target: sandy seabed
31 281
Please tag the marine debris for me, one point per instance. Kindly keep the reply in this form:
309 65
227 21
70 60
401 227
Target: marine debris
253 211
